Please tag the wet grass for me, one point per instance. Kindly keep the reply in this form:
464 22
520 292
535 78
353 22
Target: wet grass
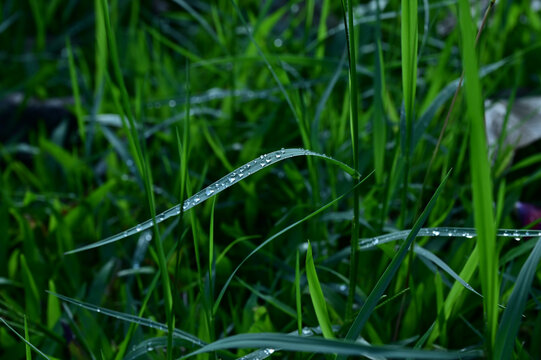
232 179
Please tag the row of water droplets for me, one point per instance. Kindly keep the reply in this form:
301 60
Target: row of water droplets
211 190
134 319
468 233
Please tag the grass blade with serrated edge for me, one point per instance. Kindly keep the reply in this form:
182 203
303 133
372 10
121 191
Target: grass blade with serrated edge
321 209
509 325
23 339
215 188
316 294
481 176
325 346
391 270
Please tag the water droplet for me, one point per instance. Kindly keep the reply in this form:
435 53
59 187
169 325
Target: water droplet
517 239
436 233
262 164
98 310
261 157
278 42
209 191
196 200
138 228
343 288
269 351
278 156
282 151
505 234
148 237
177 209
527 233
469 236
161 217
450 233
241 174
231 179
306 332
172 103
125 234
375 242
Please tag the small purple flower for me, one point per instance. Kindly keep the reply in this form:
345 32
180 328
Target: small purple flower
528 213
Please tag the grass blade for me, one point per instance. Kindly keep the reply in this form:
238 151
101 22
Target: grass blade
316 294
326 346
215 188
481 177
391 270
23 338
509 325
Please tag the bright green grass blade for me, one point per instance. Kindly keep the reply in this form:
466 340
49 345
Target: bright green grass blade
298 293
215 188
316 294
326 346
53 307
31 293
133 319
509 325
379 122
27 338
267 241
391 270
24 339
481 177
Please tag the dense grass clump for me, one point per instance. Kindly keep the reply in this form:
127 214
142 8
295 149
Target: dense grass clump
268 180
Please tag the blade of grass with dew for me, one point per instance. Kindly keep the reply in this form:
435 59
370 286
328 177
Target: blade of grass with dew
372 300
133 319
268 240
354 130
215 188
510 323
481 176
316 294
326 346
24 339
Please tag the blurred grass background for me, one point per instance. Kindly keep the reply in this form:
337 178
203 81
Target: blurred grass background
113 111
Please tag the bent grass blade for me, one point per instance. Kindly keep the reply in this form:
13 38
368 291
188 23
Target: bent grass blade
215 188
133 319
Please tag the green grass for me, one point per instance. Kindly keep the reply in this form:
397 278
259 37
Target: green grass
222 180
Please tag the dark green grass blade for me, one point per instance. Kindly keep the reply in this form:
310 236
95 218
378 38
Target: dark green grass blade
316 294
326 346
215 188
509 325
391 270
23 339
481 176
133 319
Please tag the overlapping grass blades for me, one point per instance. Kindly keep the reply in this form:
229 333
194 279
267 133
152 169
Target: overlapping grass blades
189 338
372 300
215 188
313 345
510 322
481 176
28 343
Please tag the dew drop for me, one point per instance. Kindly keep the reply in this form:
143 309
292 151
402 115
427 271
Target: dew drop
278 156
209 191
172 103
241 174
196 200
282 151
98 310
262 164
231 179
125 234
517 239
161 217
138 228
436 233
148 237
469 236
306 331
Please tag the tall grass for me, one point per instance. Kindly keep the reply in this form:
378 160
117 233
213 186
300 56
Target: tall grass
165 190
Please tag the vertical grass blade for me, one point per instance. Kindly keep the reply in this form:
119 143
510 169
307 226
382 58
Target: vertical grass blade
320 306
481 177
508 329
354 128
76 92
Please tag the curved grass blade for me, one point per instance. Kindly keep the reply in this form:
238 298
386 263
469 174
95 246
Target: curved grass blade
391 270
215 188
28 343
132 319
316 294
508 329
272 341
